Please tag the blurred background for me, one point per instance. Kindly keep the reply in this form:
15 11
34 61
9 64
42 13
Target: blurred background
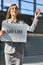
33 49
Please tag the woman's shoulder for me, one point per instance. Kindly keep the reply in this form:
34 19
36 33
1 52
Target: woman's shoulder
5 21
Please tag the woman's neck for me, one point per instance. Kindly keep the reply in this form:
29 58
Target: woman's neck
14 19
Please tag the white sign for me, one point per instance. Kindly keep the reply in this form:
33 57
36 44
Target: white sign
14 32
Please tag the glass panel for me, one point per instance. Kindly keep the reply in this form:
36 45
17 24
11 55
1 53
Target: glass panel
9 2
27 8
25 5
0 7
41 7
27 12
39 1
0 4
28 0
4 9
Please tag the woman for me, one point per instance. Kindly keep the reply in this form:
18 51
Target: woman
14 51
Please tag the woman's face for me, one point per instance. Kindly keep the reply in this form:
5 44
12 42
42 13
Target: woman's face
14 11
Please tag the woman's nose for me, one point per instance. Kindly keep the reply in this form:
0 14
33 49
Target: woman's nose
14 9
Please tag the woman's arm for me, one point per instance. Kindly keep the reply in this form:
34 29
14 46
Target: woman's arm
34 24
3 29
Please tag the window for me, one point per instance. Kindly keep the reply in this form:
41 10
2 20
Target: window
29 0
0 4
7 3
27 7
39 1
39 4
41 8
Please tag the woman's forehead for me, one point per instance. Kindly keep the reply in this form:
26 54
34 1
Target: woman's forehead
14 6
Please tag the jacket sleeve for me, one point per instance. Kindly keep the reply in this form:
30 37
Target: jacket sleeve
3 28
33 26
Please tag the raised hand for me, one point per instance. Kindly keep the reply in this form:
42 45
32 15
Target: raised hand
37 12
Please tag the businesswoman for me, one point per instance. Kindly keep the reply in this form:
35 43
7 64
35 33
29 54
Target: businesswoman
14 51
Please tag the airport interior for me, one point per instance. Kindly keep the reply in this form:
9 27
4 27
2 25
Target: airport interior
33 48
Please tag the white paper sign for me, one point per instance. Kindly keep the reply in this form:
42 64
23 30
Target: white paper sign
14 32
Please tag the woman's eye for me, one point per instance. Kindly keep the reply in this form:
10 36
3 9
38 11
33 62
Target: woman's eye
12 8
